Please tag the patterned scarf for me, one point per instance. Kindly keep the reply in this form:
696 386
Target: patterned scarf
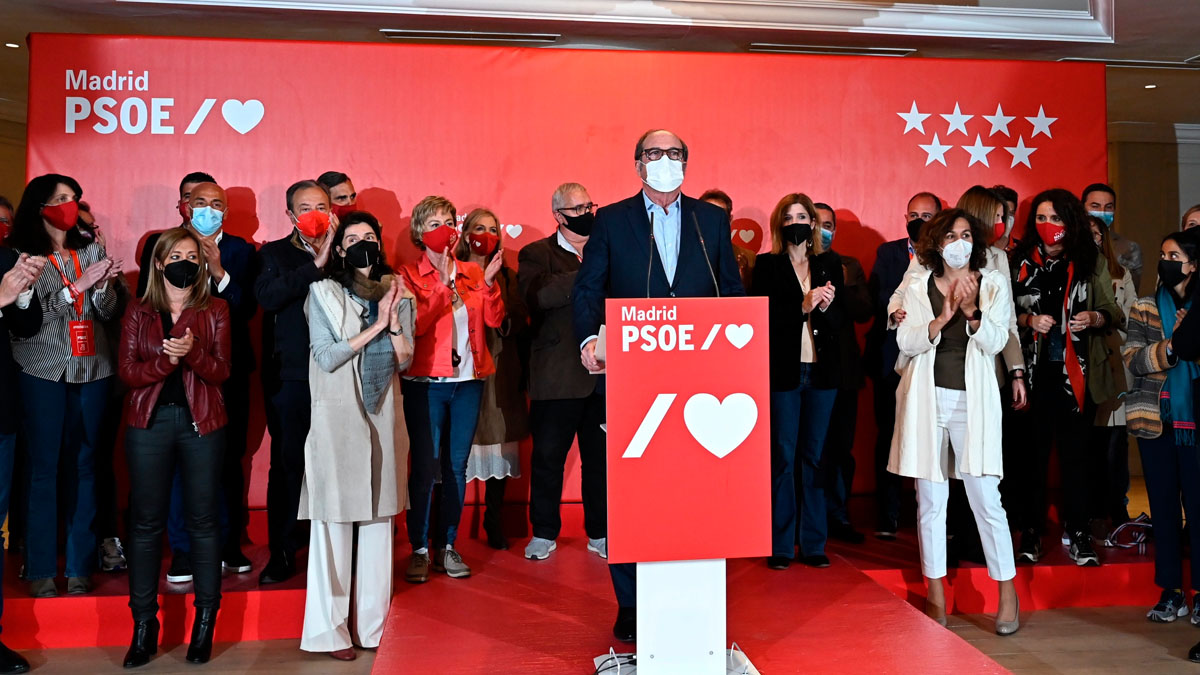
1033 275
1176 398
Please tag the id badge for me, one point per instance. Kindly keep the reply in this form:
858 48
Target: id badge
83 339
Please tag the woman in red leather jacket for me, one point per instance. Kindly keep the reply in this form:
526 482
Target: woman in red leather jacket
174 355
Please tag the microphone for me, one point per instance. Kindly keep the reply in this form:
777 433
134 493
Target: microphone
704 248
650 260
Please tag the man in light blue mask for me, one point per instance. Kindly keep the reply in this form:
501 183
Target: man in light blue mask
1101 202
230 262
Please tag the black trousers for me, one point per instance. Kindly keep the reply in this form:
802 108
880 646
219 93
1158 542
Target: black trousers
554 424
107 520
233 480
1110 500
151 455
887 485
837 459
289 413
1172 472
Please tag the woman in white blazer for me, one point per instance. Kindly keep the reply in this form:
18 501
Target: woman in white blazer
948 408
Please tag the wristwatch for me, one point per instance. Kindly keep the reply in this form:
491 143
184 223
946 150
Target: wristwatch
977 315
397 332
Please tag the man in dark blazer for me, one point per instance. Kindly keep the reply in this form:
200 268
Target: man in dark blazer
20 317
564 403
891 260
231 264
657 244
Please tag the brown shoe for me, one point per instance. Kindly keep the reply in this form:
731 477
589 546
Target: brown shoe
43 588
418 569
346 654
78 585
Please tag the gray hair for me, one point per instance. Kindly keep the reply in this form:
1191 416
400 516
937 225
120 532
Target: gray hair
559 199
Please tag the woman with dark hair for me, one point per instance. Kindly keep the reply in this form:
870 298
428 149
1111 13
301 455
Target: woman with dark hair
455 301
948 408
174 356
1162 409
360 325
802 282
503 413
66 371
1065 302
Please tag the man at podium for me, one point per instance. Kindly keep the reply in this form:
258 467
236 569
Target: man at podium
659 243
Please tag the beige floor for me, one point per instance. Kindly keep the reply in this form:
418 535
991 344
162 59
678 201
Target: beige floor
262 658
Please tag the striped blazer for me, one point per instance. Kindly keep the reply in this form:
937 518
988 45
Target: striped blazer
1145 354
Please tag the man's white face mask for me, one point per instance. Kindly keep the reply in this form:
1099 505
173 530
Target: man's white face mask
664 174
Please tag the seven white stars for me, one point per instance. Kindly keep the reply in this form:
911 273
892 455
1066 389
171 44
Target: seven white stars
914 119
979 152
1020 153
999 121
957 120
1041 123
936 151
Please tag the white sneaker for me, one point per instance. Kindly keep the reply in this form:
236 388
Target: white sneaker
539 549
599 547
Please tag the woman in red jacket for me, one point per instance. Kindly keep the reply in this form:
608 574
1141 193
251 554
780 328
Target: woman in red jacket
174 355
444 385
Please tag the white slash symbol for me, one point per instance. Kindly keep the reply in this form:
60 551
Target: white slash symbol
201 115
650 423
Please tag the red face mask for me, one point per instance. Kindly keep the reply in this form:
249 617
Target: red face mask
183 209
998 230
313 224
340 210
440 238
1050 233
62 216
483 243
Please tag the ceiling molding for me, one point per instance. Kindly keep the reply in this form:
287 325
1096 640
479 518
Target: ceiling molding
1091 25
1147 132
1187 134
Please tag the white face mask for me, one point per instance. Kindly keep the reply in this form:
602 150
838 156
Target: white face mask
957 253
664 174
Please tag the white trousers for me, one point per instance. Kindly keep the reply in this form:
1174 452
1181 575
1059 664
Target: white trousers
336 580
983 492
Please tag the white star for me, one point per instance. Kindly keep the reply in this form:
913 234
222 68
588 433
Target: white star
999 121
1041 123
1020 153
979 152
935 152
957 121
914 119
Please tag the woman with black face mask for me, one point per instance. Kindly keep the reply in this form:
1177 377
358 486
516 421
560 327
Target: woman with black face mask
360 328
174 355
802 283
1161 411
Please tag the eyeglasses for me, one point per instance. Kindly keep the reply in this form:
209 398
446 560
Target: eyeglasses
655 154
578 210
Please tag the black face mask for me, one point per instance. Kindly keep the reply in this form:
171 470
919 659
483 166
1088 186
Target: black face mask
582 224
362 254
181 273
796 233
914 228
1170 272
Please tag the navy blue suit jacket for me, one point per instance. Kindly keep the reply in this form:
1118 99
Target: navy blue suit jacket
621 261
891 261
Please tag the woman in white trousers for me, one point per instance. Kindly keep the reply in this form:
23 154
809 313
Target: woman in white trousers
948 409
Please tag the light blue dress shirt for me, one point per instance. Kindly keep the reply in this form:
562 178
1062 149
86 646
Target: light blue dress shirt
666 233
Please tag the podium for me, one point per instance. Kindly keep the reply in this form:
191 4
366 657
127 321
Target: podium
689 469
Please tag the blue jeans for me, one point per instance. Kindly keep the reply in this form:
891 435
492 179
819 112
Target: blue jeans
799 422
8 451
62 424
441 418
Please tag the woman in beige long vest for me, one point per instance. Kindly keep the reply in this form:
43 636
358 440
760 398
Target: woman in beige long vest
360 322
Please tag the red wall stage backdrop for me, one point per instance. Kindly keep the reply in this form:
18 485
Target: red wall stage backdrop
501 127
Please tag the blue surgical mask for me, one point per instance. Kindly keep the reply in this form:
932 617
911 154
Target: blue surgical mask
206 220
1106 216
826 239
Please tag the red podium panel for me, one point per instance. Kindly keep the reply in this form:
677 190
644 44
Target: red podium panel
689 454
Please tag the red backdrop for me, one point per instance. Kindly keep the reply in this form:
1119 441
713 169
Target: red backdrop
501 127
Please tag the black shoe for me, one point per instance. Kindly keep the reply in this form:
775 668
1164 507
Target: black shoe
886 529
496 538
779 562
625 629
180 571
1081 550
200 647
815 560
845 532
12 662
144 644
1030 550
281 567
1194 653
235 561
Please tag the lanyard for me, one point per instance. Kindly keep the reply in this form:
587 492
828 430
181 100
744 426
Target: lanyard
79 298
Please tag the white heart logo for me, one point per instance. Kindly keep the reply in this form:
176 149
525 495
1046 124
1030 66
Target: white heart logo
242 116
739 336
720 426
746 235
514 231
